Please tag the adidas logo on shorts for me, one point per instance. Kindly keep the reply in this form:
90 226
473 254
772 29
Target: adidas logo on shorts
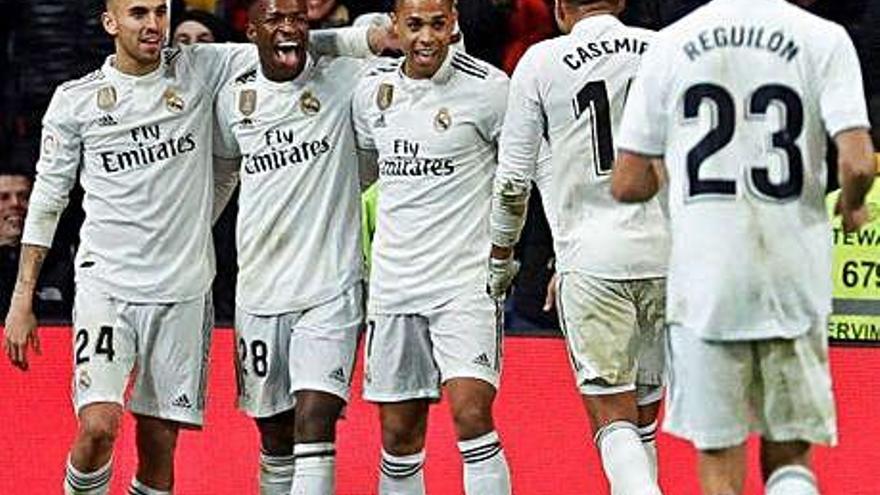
482 360
338 375
182 401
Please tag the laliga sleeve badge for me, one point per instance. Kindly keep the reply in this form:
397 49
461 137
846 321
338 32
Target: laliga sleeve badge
247 102
50 145
443 121
107 98
173 102
384 96
309 103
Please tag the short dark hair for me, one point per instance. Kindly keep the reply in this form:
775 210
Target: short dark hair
584 3
451 3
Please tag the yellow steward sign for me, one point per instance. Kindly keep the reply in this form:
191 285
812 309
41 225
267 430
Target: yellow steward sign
856 272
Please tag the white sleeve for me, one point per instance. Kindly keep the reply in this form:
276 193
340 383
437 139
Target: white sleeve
341 42
841 97
218 61
491 119
524 123
361 104
643 128
57 167
225 144
227 158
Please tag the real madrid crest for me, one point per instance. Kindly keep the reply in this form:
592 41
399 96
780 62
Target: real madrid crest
247 102
107 98
173 101
384 96
309 103
443 120
84 381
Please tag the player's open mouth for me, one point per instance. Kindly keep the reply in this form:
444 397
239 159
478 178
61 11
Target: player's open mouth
152 43
288 52
17 220
425 55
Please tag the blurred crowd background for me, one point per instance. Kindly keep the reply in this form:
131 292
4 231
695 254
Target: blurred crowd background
46 42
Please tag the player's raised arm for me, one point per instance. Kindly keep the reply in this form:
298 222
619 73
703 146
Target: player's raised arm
56 174
355 42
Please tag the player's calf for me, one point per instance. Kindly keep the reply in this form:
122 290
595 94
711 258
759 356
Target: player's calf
156 442
314 449
785 467
485 465
276 453
404 425
625 458
89 466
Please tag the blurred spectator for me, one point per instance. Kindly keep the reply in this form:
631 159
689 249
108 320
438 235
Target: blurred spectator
55 286
48 42
328 14
197 26
484 25
528 22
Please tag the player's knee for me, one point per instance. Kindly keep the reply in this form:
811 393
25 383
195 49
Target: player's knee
472 420
403 436
316 418
276 434
99 428
776 455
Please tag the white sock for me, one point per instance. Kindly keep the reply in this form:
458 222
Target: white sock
792 480
315 469
624 460
648 434
276 474
138 488
95 483
485 467
402 475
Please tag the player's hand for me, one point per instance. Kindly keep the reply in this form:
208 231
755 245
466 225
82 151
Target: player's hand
552 289
852 219
20 333
501 274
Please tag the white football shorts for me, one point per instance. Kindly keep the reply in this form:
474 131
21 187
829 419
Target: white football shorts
164 346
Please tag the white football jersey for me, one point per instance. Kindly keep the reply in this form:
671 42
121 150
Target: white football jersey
572 90
142 147
437 145
298 230
739 98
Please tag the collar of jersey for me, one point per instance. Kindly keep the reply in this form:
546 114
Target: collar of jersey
297 82
442 76
112 72
595 23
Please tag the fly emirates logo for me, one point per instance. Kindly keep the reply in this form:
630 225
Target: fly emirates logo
406 162
149 146
283 150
